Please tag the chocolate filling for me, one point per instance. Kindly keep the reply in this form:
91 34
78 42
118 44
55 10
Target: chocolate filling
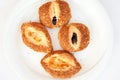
54 21
74 38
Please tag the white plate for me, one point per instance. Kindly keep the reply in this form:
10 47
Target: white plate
26 62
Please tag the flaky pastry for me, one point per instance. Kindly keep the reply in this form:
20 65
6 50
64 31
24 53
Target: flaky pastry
60 64
55 13
36 36
74 37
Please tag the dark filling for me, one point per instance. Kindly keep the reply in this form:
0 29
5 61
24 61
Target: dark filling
74 38
54 21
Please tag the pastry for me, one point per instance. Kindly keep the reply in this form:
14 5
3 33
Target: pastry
36 37
60 64
74 37
54 14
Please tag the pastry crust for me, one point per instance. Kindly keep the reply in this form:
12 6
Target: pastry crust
66 33
35 36
60 64
59 9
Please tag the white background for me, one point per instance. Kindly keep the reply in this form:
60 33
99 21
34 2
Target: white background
111 72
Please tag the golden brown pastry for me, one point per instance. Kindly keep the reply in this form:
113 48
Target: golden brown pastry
55 14
36 37
60 64
74 37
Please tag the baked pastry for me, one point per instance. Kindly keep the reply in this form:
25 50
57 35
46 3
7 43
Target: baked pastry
36 37
55 14
60 64
74 37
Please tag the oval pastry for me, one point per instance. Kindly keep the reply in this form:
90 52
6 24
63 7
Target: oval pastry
60 64
36 37
74 37
55 14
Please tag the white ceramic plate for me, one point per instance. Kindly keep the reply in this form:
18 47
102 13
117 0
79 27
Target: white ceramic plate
26 62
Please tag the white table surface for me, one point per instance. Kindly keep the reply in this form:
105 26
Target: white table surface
111 72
